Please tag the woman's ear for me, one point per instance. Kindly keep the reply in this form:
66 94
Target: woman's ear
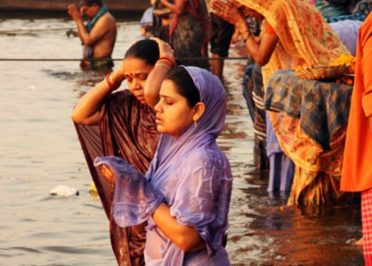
199 109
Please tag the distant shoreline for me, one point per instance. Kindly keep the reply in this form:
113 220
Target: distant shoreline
62 14
50 8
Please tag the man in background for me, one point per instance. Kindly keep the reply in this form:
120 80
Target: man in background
97 36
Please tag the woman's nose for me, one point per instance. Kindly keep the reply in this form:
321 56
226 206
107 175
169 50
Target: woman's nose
157 107
136 85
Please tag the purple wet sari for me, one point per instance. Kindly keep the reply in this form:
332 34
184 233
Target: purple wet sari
192 176
127 129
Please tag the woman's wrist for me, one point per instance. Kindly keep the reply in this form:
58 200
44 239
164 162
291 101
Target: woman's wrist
243 29
112 81
163 64
166 62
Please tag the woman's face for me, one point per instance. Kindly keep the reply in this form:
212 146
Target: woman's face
173 114
135 71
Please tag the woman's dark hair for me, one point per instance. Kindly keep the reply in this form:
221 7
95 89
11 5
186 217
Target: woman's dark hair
185 85
147 50
92 2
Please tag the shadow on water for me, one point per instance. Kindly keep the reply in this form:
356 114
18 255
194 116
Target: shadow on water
263 230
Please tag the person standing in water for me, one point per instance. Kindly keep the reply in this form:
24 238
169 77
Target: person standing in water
185 195
98 36
111 121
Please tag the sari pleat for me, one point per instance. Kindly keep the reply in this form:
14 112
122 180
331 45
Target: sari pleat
126 129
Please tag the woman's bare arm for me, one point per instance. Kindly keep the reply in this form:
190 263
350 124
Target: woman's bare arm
262 49
86 112
158 73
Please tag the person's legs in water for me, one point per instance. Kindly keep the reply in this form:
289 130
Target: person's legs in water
222 32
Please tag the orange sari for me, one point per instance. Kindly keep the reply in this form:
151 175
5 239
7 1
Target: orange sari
357 170
304 40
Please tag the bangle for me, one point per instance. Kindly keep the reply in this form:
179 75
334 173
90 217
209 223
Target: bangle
169 60
163 65
110 84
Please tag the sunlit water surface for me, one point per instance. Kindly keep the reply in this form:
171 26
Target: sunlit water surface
39 150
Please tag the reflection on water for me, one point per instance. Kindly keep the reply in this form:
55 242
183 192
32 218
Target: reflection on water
39 150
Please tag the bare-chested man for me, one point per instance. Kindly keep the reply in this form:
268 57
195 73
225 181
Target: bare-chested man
98 36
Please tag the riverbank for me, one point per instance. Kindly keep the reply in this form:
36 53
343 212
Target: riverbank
51 8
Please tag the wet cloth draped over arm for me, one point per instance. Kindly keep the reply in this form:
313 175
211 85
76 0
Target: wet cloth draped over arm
305 40
127 129
134 198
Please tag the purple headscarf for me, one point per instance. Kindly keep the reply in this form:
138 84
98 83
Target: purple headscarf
212 94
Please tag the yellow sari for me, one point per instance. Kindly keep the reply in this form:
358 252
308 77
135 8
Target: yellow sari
305 39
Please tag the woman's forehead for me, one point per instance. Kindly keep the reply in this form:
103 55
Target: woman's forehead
169 88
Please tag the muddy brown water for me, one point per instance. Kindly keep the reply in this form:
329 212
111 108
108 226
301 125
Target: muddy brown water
39 150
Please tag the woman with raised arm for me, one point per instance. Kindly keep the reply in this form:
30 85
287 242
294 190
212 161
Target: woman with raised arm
185 195
295 36
123 124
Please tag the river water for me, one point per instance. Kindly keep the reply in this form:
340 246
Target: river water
39 150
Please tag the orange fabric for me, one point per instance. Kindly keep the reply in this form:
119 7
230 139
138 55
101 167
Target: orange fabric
268 29
317 173
317 188
304 151
357 168
305 39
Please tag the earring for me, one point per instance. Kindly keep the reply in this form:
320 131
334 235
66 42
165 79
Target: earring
195 123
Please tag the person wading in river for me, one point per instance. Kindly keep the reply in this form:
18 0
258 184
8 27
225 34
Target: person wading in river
97 36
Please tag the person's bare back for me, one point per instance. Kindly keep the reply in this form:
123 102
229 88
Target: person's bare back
101 36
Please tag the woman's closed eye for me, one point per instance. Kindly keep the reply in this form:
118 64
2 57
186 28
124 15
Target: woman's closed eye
142 76
129 78
167 100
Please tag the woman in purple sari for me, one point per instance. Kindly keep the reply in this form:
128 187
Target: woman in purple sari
185 194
